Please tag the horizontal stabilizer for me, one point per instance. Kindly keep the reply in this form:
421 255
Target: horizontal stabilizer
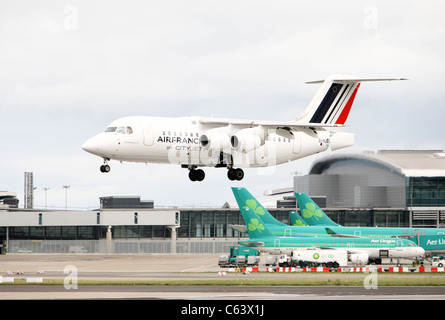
239 228
346 79
250 243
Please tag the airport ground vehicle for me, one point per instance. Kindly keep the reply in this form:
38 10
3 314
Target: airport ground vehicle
315 258
438 261
239 256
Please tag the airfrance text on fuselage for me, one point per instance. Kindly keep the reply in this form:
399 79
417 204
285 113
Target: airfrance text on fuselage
168 139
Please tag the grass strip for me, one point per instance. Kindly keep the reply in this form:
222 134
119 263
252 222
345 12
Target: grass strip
382 280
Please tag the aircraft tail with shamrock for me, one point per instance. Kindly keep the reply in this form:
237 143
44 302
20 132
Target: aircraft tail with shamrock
246 200
296 219
311 213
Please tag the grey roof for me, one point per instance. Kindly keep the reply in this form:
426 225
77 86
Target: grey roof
410 163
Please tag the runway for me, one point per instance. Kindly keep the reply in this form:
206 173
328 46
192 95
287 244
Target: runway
280 293
71 267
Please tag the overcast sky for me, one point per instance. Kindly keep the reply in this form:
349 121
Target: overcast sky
69 68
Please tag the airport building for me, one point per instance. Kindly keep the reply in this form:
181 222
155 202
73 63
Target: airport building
398 188
384 188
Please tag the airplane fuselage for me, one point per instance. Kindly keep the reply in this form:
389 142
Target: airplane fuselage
179 141
374 248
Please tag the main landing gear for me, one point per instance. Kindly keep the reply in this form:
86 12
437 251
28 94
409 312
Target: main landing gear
199 174
235 174
105 168
196 175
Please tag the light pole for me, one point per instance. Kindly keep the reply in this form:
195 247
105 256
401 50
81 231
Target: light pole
46 191
66 196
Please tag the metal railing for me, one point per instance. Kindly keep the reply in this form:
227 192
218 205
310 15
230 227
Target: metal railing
119 246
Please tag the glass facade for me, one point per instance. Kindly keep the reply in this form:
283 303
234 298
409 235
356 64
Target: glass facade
210 223
425 191
370 217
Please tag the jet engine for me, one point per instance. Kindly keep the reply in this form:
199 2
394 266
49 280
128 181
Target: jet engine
248 139
214 140
359 258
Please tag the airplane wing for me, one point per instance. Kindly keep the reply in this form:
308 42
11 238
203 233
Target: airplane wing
332 233
288 125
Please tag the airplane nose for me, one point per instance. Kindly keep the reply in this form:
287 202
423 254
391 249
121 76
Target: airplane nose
91 146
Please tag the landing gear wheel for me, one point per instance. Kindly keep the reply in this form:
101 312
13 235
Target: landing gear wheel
192 176
235 174
105 168
197 175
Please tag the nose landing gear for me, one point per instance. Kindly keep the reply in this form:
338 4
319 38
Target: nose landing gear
105 168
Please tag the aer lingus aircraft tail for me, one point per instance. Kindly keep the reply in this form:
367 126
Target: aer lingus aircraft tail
296 220
246 200
311 213
256 228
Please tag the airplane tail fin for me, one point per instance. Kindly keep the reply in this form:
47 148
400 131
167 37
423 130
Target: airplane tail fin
246 200
311 213
255 226
333 101
296 219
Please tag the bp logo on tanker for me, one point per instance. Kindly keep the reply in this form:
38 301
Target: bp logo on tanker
316 256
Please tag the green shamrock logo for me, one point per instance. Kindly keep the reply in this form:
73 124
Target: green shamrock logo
298 223
255 225
252 204
311 211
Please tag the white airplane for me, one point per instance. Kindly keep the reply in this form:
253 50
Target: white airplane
194 142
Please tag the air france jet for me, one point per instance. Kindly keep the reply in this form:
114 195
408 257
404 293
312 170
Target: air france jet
194 142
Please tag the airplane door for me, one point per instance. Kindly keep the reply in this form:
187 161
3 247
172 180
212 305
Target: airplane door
276 245
297 143
399 245
147 130
287 232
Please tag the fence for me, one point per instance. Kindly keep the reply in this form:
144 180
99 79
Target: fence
119 246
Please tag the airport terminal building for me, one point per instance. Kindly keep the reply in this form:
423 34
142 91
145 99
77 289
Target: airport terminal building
398 188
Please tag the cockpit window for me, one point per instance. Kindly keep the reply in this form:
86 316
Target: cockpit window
110 129
120 130
124 130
